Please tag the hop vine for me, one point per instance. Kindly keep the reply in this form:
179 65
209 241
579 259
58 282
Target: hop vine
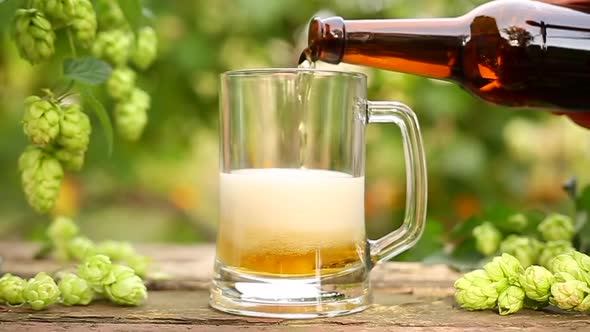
104 50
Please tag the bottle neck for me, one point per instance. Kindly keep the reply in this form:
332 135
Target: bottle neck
427 47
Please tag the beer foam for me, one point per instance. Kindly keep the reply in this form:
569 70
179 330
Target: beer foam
291 210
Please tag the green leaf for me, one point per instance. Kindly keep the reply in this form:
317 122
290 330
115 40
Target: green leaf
101 114
463 257
87 70
431 241
133 12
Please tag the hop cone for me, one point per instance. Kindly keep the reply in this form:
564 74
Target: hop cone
41 177
505 267
59 10
518 222
536 282
487 238
566 263
583 260
113 46
569 294
510 300
33 35
121 83
146 48
131 115
41 120
476 291
553 249
557 227
60 232
84 23
110 14
75 290
96 270
74 137
525 249
127 288
41 291
80 247
139 264
11 289
116 250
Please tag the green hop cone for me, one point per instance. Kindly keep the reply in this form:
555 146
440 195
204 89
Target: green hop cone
566 263
553 249
110 14
72 160
75 290
127 288
60 232
524 248
131 115
510 300
97 271
33 35
557 227
41 120
476 291
41 177
80 247
569 294
505 267
75 129
487 238
146 48
84 23
41 291
139 264
518 222
58 10
536 282
11 289
116 250
113 46
584 306
582 259
121 83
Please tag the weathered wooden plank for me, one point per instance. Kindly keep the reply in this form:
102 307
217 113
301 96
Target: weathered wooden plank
190 267
178 310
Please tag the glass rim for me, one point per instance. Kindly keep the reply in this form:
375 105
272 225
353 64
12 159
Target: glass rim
269 72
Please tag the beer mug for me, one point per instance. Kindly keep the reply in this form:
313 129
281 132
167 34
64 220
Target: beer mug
291 238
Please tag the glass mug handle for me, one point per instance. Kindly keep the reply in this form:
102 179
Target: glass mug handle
412 227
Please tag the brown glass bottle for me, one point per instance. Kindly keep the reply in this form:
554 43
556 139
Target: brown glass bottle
519 53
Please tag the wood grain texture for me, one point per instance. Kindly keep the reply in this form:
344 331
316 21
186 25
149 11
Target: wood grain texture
407 296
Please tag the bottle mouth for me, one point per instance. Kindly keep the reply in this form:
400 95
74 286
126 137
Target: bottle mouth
325 40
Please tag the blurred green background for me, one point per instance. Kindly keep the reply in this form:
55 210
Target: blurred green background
164 188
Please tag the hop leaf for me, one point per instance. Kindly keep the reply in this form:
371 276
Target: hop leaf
510 300
11 289
81 247
41 291
487 238
84 23
127 288
557 227
131 115
121 83
476 291
41 120
113 46
536 282
59 10
553 249
33 35
96 270
146 48
41 177
75 290
569 294
504 267
524 248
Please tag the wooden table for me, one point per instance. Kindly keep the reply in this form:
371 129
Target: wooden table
408 297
